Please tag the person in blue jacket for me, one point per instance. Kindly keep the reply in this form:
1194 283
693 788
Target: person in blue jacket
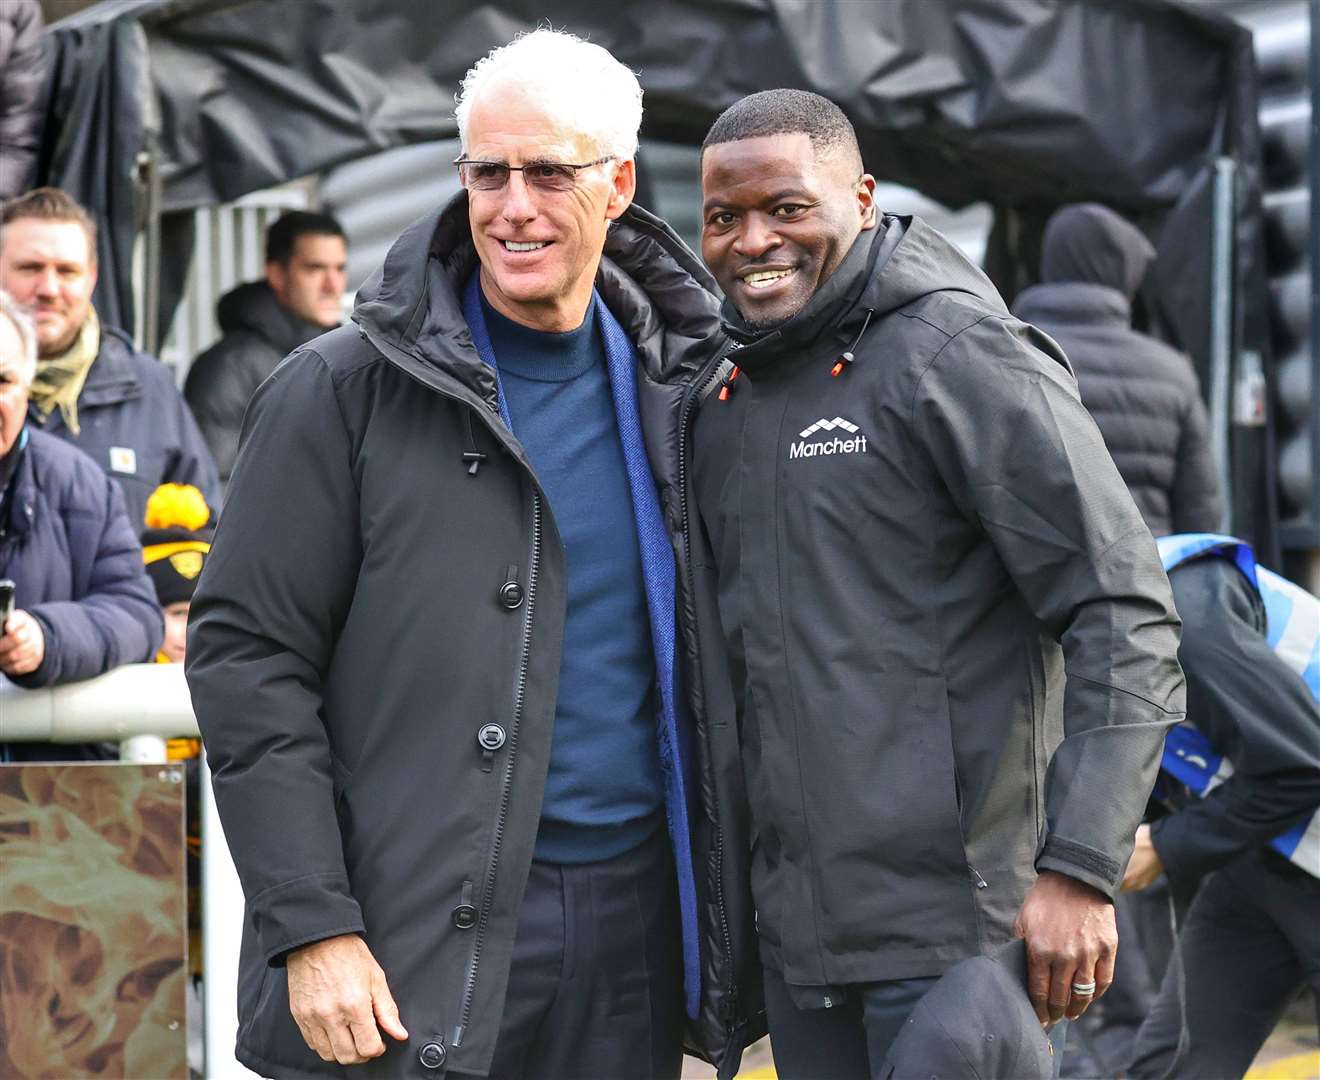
1241 781
83 601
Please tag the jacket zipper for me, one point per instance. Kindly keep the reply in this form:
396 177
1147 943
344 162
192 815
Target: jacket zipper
699 391
519 698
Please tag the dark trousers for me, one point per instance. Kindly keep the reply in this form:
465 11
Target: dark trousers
846 1042
1250 943
596 983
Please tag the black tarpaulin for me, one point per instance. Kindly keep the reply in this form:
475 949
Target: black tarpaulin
1026 104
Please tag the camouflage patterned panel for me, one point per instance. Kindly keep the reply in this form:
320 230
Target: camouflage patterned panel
93 930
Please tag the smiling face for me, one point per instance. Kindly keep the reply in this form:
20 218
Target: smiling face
539 250
777 221
49 267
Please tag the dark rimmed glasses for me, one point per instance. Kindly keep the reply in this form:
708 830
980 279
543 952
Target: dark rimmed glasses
548 176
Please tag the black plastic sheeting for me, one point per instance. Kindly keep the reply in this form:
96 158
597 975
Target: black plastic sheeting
1026 104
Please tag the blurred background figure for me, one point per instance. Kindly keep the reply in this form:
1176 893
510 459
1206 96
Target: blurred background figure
23 64
93 388
1143 394
1240 826
83 601
263 321
175 547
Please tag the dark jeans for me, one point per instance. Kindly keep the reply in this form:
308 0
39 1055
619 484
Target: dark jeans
596 984
846 1042
1250 943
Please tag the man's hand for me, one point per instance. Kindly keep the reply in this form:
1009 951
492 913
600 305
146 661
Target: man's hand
337 994
1145 867
23 646
1071 938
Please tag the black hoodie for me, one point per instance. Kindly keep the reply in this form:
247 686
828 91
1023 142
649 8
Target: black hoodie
1144 395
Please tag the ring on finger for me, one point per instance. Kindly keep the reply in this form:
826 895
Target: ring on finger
1086 989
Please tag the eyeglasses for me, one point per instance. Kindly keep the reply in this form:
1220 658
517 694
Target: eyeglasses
547 176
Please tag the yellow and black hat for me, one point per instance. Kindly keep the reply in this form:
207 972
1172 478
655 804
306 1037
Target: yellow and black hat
177 541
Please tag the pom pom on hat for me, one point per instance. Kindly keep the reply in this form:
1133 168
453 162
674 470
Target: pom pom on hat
179 506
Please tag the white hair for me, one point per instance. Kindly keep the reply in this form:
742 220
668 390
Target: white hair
27 336
576 81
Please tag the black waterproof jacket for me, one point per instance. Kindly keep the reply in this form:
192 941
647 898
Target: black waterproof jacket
386 582
259 333
1144 395
930 574
133 423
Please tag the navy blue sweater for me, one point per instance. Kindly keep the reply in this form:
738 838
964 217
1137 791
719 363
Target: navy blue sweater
604 787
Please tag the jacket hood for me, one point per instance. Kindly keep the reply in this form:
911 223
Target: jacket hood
1090 243
411 308
1072 302
253 307
887 268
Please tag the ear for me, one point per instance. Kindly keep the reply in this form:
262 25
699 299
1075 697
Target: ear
277 277
623 187
93 270
866 207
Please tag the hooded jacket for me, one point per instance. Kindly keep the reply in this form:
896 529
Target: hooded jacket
66 542
134 424
954 643
1144 395
258 333
386 583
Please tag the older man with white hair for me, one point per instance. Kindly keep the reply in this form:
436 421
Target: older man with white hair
82 601
445 653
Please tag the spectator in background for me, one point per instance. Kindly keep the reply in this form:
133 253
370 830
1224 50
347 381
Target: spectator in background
83 601
23 67
1143 394
175 547
264 321
93 388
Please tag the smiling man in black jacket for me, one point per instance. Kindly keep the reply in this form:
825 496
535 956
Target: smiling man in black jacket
954 644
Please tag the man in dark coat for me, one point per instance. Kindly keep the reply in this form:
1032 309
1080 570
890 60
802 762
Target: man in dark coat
1143 394
23 65
1242 831
445 652
264 321
83 602
954 645
93 388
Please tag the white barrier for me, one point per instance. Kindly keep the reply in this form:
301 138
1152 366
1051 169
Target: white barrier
139 707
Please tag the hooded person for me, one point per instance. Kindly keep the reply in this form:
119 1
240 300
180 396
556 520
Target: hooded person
1143 394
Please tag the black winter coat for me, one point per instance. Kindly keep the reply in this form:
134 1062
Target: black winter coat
23 67
352 634
1143 394
953 636
66 541
134 424
259 333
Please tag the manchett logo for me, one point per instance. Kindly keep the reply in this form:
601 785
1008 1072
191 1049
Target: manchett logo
856 444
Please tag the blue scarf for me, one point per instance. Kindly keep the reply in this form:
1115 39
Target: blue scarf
659 575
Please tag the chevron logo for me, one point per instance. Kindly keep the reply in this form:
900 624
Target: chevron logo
828 425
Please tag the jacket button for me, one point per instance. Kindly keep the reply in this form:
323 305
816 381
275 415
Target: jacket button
432 1055
465 916
511 594
490 737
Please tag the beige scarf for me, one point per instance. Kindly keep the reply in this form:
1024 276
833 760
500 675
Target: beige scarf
59 379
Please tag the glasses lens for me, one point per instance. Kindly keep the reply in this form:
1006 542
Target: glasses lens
547 176
483 175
